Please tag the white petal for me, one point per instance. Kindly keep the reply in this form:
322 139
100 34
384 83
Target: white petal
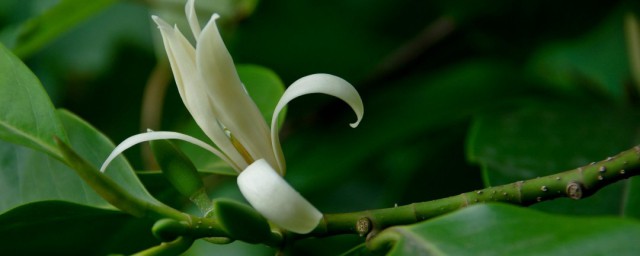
149 136
170 42
316 83
193 90
276 200
190 10
236 110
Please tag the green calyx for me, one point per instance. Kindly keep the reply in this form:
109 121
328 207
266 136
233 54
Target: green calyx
241 221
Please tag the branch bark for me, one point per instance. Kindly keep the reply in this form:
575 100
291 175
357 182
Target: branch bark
576 184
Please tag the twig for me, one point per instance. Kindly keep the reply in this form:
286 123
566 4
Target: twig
152 103
433 33
576 184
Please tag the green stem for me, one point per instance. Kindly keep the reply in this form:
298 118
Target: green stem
576 184
632 35
171 223
175 247
112 192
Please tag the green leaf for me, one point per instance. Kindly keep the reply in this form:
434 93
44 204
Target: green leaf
574 66
95 147
497 229
545 138
62 228
27 175
38 31
27 117
177 168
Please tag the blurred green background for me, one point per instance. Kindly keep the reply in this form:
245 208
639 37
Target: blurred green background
458 94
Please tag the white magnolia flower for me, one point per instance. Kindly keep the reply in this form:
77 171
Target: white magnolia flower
216 98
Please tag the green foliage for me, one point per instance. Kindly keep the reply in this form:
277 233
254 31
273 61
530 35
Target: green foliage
34 173
522 96
28 117
54 226
41 30
475 231
241 221
532 141
177 168
576 68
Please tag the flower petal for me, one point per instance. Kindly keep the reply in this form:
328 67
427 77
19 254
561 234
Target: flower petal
235 108
190 10
193 90
276 200
149 136
316 83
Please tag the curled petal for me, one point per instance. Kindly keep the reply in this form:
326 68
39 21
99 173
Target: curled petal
149 136
276 200
316 83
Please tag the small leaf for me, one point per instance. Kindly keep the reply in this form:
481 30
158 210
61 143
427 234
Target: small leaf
498 229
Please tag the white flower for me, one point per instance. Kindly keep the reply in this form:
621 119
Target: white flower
214 95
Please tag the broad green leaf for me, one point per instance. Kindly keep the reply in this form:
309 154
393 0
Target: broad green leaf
27 117
95 147
27 175
497 229
62 228
38 31
597 61
545 138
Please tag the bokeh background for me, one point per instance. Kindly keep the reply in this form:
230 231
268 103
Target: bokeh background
458 95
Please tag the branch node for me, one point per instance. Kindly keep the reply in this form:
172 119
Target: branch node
363 226
602 169
574 190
